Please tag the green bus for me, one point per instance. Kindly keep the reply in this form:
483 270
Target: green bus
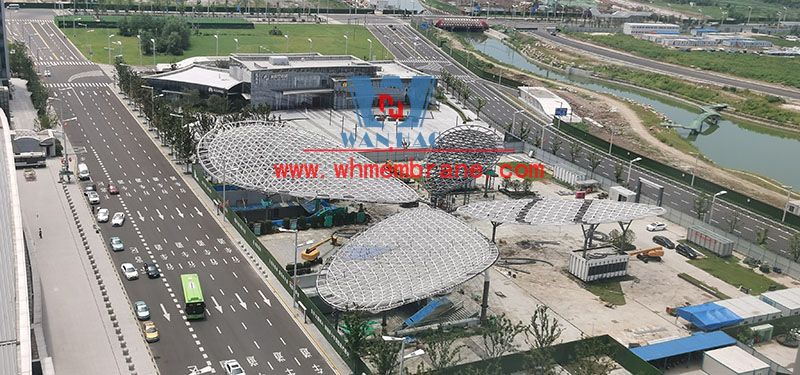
195 306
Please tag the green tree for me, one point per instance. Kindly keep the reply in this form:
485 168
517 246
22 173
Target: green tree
618 173
354 327
537 138
498 336
592 357
442 351
384 356
555 146
762 236
594 161
616 239
480 103
543 332
702 203
575 150
733 222
794 246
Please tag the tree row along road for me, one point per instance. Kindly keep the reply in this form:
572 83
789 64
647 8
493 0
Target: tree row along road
166 224
406 44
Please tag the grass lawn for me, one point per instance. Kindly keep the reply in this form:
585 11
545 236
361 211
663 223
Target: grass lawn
778 41
738 7
609 290
730 271
327 39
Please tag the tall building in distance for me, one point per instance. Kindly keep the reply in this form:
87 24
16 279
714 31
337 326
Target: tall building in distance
5 71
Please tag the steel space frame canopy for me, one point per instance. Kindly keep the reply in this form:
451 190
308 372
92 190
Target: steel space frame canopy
245 153
559 211
407 257
467 137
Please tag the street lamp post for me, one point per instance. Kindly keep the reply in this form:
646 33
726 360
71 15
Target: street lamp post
370 49
216 37
611 143
310 45
139 39
109 47
152 40
294 272
403 356
287 42
630 166
152 104
785 206
514 120
119 44
74 33
711 208
346 44
694 171
178 115
748 14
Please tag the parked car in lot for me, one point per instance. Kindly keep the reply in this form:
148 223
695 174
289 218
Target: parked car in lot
686 251
150 331
232 367
102 215
151 270
116 244
118 219
93 197
664 241
129 271
657 226
142 311
112 189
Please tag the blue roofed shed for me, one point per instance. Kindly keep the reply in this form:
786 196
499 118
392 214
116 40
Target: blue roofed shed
698 342
709 316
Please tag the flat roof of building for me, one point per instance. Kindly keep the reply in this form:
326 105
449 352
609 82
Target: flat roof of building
276 61
548 100
650 24
736 359
199 75
697 342
788 298
748 307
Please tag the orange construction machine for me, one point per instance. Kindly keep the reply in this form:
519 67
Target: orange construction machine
647 255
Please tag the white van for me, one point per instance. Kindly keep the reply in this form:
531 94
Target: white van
12 7
83 172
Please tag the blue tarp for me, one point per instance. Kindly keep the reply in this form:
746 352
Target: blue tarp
709 316
697 342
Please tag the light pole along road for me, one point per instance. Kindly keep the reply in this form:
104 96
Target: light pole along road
168 225
414 49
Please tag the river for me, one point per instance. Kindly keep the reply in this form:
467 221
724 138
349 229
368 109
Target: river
733 145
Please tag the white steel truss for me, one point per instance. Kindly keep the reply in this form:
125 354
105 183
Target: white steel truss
409 256
484 141
558 211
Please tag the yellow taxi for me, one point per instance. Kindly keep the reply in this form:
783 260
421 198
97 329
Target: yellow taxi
150 331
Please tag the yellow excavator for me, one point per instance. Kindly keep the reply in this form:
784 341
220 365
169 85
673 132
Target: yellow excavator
647 255
312 253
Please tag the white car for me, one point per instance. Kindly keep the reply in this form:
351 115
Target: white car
657 226
118 219
232 367
102 215
93 197
129 271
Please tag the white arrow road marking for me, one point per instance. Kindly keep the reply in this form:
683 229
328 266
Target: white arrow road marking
141 218
241 303
198 211
179 212
265 299
164 310
160 215
216 305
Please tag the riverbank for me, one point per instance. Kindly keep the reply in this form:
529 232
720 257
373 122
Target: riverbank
641 140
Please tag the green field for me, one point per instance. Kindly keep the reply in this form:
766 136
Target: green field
778 41
327 39
730 271
735 8
764 68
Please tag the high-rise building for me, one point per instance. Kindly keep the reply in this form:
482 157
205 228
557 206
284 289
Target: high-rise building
5 72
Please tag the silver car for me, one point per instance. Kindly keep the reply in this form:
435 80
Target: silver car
129 271
118 219
102 215
93 197
142 311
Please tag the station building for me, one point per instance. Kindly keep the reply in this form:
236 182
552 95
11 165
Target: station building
288 81
633 28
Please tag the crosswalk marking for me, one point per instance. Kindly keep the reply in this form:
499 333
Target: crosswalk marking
76 84
29 20
422 61
64 62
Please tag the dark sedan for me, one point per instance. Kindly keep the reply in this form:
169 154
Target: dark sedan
664 241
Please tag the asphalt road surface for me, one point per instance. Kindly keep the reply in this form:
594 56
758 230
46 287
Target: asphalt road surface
167 224
415 50
673 69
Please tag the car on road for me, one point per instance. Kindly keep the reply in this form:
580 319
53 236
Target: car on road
89 186
664 241
151 270
116 244
657 226
232 367
686 251
93 197
112 189
129 271
142 311
118 219
102 215
150 331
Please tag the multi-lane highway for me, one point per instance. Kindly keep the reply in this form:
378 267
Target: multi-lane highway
414 49
167 224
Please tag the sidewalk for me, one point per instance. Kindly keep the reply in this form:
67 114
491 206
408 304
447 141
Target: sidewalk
284 296
80 289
